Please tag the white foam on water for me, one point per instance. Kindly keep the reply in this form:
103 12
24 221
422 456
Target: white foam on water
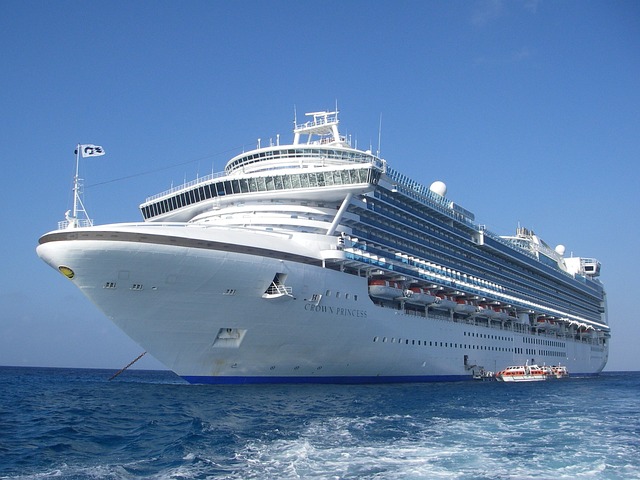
463 449
401 447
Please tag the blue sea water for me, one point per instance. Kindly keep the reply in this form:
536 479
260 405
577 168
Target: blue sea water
76 424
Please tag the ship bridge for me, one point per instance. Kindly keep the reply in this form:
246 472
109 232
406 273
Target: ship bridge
324 126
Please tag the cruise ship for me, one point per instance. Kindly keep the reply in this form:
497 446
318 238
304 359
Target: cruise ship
317 262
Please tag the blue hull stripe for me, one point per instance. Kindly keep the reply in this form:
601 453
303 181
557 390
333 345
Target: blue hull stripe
223 380
345 380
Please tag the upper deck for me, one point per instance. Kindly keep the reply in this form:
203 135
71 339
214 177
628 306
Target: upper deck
321 166
323 146
318 164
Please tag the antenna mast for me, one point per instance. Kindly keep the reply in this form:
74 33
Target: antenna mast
379 134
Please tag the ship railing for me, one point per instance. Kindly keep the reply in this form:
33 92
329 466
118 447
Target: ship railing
191 183
298 153
279 289
322 118
423 195
79 223
341 155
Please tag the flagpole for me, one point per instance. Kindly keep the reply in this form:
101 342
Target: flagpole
75 189
71 218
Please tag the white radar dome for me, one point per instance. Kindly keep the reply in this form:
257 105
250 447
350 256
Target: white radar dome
560 249
438 187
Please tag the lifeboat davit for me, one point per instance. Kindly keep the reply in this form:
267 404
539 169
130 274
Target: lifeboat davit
385 289
420 296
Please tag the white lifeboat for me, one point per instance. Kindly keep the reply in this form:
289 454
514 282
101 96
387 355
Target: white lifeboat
465 306
445 303
385 289
420 296
489 312
547 324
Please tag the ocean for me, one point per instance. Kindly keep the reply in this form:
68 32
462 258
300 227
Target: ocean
76 424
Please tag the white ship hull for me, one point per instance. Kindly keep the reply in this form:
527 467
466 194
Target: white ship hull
201 310
317 262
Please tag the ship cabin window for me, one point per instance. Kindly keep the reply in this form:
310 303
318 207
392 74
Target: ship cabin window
328 294
355 297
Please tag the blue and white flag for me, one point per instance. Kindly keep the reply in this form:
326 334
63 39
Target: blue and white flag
91 151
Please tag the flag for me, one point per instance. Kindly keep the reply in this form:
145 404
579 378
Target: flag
91 151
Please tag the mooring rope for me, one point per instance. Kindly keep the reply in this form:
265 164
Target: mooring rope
131 363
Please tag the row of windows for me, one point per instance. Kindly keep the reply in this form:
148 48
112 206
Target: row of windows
329 154
550 353
339 294
261 184
542 341
487 336
406 341
527 351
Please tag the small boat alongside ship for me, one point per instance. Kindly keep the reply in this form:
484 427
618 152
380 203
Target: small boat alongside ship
531 373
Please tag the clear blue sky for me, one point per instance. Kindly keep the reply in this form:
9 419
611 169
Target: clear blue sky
528 110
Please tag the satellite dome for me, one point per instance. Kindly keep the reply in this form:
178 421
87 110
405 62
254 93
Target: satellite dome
560 249
439 188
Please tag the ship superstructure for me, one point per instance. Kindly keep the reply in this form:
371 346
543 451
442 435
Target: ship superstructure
318 262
